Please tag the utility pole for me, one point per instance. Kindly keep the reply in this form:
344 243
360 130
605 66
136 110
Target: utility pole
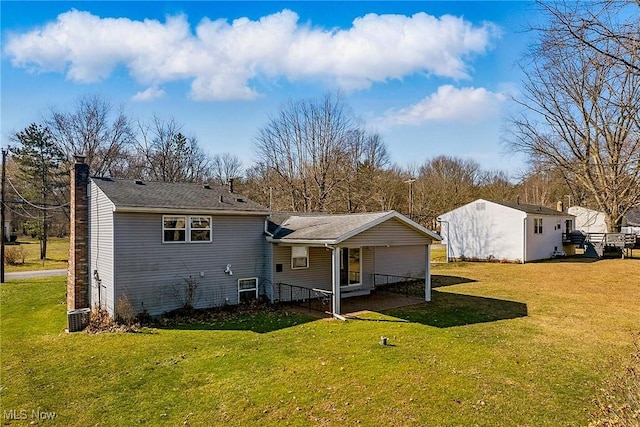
410 182
3 233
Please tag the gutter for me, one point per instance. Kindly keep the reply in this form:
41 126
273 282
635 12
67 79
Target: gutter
324 242
189 211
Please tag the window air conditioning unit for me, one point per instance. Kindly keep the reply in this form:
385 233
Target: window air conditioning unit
78 319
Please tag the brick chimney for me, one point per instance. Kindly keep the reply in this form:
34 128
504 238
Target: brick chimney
560 206
78 284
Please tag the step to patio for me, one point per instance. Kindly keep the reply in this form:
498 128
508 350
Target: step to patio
356 293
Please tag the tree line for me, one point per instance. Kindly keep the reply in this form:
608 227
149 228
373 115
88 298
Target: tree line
579 125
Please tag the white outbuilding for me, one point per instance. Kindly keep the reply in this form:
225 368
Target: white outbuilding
509 231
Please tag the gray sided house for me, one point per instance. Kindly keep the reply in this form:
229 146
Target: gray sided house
156 247
163 245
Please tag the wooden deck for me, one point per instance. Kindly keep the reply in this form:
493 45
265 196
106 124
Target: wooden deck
598 244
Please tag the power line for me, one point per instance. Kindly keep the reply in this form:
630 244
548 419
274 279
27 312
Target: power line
41 207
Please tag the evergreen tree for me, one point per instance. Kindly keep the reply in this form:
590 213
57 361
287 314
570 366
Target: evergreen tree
39 163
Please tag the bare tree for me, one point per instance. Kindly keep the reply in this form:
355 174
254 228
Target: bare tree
444 183
306 146
581 113
545 186
169 155
606 27
225 166
94 129
496 185
366 157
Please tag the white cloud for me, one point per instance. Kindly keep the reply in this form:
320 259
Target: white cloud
468 105
221 58
154 92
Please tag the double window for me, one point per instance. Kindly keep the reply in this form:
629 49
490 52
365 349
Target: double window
186 229
537 225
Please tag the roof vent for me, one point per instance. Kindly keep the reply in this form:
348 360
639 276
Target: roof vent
240 200
139 182
207 186
221 199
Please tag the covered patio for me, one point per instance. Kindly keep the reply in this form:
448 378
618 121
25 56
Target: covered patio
334 257
353 306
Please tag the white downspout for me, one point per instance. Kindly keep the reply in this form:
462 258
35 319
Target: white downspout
335 282
427 275
524 238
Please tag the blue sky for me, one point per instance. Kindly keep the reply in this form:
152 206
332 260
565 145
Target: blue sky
431 77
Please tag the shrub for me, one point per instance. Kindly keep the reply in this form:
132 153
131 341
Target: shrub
124 311
618 402
186 292
14 255
101 321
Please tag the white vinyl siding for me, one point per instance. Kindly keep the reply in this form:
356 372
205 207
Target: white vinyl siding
493 232
500 232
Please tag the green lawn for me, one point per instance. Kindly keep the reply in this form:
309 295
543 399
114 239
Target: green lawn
57 254
499 345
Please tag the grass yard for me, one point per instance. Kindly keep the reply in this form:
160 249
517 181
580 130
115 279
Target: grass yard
438 253
499 345
57 254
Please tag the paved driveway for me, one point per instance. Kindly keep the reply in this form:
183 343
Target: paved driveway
35 273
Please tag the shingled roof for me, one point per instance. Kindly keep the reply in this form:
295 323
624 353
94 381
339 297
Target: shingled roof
333 229
144 196
531 209
633 217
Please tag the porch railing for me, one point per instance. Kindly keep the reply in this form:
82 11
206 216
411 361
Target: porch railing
406 285
311 298
619 240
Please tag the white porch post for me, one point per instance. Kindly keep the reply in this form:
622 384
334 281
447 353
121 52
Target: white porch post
335 280
427 275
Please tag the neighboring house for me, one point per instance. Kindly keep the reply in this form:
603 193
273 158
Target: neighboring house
486 229
588 220
633 222
593 221
155 246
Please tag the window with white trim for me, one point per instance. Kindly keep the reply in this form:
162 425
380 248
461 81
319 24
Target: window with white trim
299 257
247 290
537 225
186 229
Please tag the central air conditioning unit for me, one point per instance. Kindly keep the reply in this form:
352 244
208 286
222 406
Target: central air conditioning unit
78 319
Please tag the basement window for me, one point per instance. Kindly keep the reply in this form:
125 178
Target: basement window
186 229
299 257
247 290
